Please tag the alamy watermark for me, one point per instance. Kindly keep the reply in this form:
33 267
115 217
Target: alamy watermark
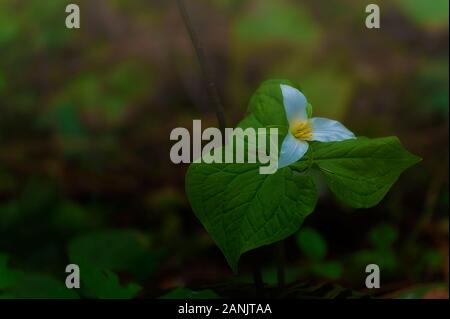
73 17
235 145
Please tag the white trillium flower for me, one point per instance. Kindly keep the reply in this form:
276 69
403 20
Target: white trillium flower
303 129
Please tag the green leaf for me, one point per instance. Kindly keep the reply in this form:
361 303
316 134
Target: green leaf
383 236
117 250
243 210
18 284
111 249
312 244
266 105
330 270
71 217
360 171
8 277
104 284
266 108
185 293
41 286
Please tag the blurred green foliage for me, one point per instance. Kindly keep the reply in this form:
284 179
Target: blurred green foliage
85 117
184 293
315 249
420 11
267 22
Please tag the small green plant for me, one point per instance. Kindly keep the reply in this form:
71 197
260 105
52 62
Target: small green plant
243 210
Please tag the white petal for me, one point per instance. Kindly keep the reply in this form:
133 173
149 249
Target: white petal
292 150
326 130
294 103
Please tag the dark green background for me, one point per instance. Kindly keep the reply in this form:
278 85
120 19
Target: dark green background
85 117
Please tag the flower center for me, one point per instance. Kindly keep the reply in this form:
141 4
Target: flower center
302 130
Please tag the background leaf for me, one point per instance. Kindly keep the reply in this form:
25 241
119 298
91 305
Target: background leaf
383 236
104 284
312 244
116 250
41 286
8 277
329 270
112 249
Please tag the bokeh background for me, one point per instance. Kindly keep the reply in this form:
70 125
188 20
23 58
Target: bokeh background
85 117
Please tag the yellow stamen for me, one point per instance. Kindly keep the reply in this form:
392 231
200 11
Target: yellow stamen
302 130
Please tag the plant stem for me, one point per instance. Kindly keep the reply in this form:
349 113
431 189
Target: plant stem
211 88
280 252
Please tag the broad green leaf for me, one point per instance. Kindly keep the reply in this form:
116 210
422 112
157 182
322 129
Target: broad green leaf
185 293
266 109
242 209
266 106
312 244
360 171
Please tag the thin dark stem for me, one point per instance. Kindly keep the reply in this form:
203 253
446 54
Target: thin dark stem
211 88
280 251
